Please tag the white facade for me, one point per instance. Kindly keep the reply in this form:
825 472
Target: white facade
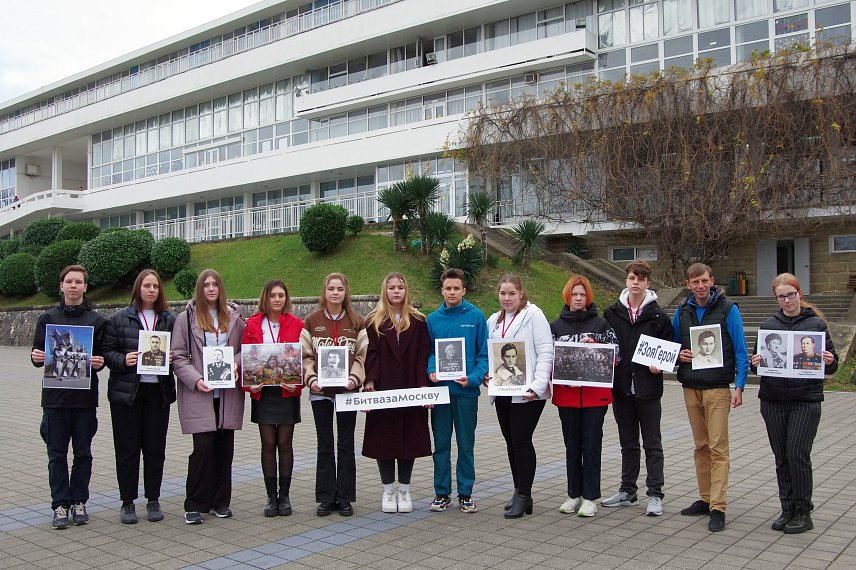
235 127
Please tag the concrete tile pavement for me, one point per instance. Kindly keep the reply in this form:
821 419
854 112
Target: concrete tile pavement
614 538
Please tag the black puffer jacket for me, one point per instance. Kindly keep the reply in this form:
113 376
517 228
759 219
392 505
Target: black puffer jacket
121 336
796 389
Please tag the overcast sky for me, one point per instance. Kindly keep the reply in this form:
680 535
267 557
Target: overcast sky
44 41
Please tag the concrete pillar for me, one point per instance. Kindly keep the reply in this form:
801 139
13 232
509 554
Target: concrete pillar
56 168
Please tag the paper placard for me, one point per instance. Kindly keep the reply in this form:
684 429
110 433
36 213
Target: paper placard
508 369
584 364
153 347
385 399
653 351
68 357
219 365
271 364
450 357
791 354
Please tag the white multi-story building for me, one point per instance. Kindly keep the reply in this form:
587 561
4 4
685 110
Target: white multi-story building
235 127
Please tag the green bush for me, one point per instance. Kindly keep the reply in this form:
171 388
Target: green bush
492 260
16 275
405 230
84 231
115 256
33 249
322 227
355 224
170 255
43 232
466 256
9 246
53 259
185 282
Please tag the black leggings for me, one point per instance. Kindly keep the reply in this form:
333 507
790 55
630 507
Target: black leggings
387 470
277 438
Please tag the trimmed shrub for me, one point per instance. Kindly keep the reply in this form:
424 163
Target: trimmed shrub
322 227
115 256
43 232
53 259
355 224
170 255
185 282
16 275
33 249
84 231
9 246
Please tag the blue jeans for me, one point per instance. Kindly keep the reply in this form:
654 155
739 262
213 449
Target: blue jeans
59 426
460 413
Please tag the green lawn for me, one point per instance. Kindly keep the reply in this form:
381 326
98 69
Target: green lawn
246 264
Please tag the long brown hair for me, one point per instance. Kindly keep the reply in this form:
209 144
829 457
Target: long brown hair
203 318
383 311
791 279
515 280
353 315
137 298
264 297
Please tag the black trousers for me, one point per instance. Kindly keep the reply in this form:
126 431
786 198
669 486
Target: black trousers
633 416
334 483
518 423
582 429
386 467
59 426
209 470
140 427
792 427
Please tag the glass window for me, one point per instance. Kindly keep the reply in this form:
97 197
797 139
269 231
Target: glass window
744 9
745 51
523 29
611 29
645 68
472 41
378 118
551 22
678 46
607 5
357 121
788 42
712 12
339 126
377 65
644 53
833 16
346 186
328 189
677 17
365 184
791 24
781 5
751 32
612 59
357 70
455 48
644 22
714 39
338 75
496 35
720 57
843 244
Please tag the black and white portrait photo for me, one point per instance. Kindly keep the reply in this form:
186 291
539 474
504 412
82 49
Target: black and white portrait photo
154 352
773 350
219 365
332 366
451 358
706 345
584 364
507 367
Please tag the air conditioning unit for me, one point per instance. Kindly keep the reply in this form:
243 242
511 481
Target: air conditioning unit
530 78
31 170
430 58
581 23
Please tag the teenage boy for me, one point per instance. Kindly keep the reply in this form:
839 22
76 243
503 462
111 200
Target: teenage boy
457 318
707 394
69 415
638 390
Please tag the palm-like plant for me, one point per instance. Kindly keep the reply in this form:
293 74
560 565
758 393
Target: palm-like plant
441 229
528 235
479 210
423 191
405 230
397 201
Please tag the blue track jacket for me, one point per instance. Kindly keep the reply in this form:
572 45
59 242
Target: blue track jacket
468 322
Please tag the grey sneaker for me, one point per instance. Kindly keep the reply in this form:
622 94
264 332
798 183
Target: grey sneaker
128 514
620 499
153 511
655 507
79 516
192 517
60 518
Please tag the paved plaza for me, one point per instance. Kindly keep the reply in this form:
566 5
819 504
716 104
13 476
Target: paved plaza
613 538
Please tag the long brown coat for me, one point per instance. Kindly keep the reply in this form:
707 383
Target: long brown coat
391 364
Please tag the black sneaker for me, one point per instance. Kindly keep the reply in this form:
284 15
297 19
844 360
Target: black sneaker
222 512
784 518
345 509
128 514
717 521
153 511
440 503
697 509
60 518
192 517
799 524
79 516
325 509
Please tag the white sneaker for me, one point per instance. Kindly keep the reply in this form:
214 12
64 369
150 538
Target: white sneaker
571 505
405 503
620 499
588 508
655 507
388 503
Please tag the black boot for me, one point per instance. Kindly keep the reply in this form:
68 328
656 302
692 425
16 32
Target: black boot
784 518
507 506
283 506
522 504
799 524
270 506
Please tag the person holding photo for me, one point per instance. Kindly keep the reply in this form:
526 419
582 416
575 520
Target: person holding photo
275 411
790 407
139 403
334 323
582 408
456 318
210 415
69 415
397 358
518 415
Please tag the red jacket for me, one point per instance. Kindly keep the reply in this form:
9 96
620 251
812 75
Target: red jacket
581 396
289 331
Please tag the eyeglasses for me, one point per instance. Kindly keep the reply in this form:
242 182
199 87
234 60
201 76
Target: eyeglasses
789 296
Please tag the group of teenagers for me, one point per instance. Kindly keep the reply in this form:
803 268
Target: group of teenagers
393 348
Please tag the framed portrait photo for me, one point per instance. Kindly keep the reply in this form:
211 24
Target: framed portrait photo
450 358
218 362
507 367
706 345
332 366
153 347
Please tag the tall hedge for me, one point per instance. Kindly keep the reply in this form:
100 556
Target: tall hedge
170 255
43 232
84 231
9 246
115 256
16 275
322 227
53 259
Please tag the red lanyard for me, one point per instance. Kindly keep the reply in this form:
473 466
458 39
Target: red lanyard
335 327
146 322
633 316
273 336
511 322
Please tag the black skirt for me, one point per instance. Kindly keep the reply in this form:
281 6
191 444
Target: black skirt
272 408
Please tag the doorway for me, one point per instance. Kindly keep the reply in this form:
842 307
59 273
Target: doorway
775 256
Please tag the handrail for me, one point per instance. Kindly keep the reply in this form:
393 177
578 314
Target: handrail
44 195
311 20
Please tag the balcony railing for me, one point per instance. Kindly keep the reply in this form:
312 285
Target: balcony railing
323 16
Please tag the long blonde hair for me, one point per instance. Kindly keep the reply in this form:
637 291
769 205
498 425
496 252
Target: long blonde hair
383 311
203 318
